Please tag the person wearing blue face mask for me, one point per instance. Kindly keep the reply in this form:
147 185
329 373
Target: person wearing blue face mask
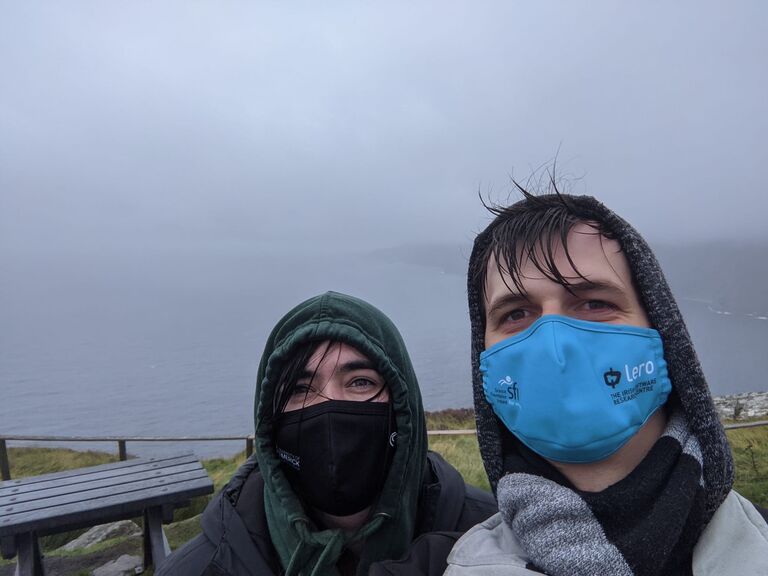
595 423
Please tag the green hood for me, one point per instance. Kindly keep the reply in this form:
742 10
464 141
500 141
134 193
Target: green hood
302 547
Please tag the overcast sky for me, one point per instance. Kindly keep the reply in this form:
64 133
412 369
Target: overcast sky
250 125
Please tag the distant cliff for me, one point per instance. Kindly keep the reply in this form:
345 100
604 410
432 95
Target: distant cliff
729 275
742 406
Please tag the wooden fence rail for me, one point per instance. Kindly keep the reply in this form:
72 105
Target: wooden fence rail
5 468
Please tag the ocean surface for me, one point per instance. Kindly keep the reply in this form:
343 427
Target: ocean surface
167 346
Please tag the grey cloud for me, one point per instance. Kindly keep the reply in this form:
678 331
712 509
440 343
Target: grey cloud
188 124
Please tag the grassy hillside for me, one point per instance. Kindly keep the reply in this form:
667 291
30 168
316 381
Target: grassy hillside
750 454
749 446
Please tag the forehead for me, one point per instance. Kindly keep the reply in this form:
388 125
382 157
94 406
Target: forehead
334 352
590 255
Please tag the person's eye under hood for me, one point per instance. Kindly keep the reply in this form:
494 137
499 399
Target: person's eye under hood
303 546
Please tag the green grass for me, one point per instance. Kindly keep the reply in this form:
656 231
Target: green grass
462 451
221 469
750 454
451 419
182 531
34 461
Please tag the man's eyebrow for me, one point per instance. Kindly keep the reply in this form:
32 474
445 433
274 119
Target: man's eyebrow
589 285
504 301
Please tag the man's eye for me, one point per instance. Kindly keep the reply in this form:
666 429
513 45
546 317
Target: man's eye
514 316
598 305
514 321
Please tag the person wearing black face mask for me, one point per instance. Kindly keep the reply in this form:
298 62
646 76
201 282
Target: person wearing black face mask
335 432
341 481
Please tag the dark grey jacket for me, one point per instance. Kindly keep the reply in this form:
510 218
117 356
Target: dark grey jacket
235 540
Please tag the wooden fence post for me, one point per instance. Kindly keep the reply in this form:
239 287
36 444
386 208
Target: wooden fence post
248 447
121 450
5 468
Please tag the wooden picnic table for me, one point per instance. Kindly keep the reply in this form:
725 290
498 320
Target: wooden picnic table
52 503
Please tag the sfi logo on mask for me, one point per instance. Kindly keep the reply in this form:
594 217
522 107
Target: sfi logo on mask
511 387
612 378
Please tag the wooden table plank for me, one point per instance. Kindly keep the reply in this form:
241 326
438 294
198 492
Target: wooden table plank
114 482
91 473
128 490
100 510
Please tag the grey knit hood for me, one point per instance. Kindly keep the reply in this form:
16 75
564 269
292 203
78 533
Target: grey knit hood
690 390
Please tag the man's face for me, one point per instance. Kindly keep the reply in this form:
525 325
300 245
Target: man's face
604 294
337 371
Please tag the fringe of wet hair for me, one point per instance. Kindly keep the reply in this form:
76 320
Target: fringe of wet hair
532 230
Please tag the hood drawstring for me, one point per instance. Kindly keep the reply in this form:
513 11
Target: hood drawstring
332 542
332 549
298 559
303 551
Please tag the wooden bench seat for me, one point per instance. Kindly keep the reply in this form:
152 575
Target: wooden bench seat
51 503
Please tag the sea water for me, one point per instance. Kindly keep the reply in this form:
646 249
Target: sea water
169 346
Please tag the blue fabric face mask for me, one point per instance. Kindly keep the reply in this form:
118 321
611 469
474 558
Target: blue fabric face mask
576 391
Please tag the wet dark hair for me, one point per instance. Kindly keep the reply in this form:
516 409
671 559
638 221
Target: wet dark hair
295 368
531 229
291 371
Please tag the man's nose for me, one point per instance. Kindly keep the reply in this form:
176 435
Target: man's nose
553 307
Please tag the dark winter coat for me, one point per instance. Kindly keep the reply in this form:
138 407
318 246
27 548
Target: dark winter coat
235 539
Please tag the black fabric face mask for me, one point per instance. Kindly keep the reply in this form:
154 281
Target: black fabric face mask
336 454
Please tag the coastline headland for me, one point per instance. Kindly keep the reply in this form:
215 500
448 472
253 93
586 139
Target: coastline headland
742 406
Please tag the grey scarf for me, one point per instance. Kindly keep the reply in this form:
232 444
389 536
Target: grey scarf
647 524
